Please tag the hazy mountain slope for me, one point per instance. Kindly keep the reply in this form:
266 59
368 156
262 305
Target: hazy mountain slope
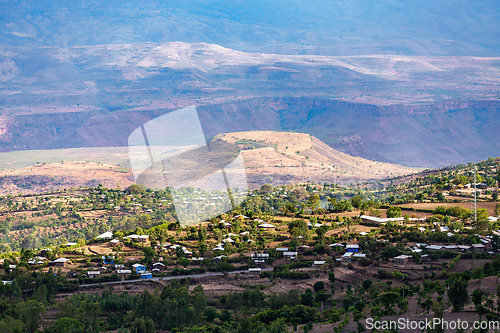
428 135
270 157
113 77
442 27
389 108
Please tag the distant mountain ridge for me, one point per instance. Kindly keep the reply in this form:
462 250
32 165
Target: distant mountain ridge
424 136
347 27
410 110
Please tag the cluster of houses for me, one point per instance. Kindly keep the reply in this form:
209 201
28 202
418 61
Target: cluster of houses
351 251
137 238
483 247
373 220
137 268
261 223
229 240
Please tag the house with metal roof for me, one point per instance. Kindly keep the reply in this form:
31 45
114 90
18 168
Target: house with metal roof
352 248
61 262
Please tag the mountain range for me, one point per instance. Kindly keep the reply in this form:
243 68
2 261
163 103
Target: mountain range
403 82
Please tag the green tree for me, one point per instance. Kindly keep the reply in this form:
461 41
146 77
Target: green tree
460 180
458 295
343 205
149 254
307 298
143 325
331 277
477 297
314 202
136 188
297 228
393 212
333 203
202 234
64 325
367 284
357 201
438 313
30 312
481 224
321 231
41 294
389 298
11 325
266 188
318 286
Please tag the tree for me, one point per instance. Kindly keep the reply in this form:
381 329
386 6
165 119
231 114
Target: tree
202 234
357 201
477 297
136 188
307 298
266 188
63 325
314 202
458 295
143 325
438 313
331 277
367 284
30 312
11 325
318 286
149 254
497 209
460 180
289 209
343 205
375 212
333 203
321 231
297 228
389 298
393 212
481 224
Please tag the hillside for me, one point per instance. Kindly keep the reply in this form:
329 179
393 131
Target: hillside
264 257
280 158
415 111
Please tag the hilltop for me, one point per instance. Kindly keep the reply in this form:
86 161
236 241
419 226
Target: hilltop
281 158
270 157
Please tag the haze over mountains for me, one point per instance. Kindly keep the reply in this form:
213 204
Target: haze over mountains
346 27
397 81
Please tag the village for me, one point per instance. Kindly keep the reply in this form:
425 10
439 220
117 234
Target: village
333 250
